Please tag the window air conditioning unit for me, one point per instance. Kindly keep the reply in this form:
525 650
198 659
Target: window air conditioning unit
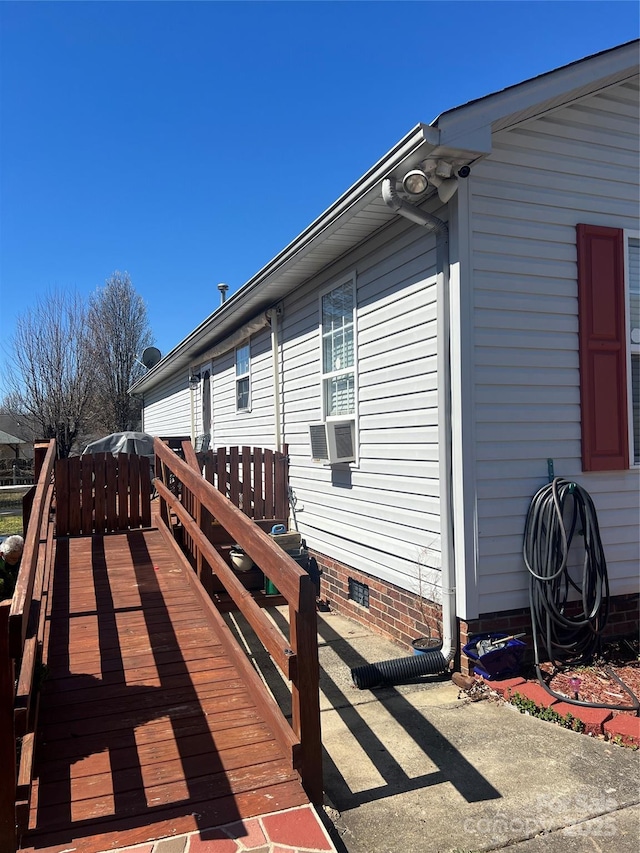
333 442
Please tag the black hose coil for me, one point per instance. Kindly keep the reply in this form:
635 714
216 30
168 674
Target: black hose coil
557 512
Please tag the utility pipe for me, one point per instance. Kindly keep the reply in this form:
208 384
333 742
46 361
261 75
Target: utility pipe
193 415
441 230
275 355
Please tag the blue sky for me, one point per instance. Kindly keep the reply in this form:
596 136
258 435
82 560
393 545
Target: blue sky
188 143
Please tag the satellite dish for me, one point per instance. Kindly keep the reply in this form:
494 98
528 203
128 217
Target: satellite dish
150 357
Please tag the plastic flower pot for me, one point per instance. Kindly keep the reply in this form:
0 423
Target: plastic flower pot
423 645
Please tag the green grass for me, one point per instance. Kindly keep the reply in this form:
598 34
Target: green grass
10 524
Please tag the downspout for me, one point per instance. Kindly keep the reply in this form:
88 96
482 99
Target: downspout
274 314
193 415
436 661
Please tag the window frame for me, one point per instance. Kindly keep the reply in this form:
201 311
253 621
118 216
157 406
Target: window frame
632 349
353 369
242 377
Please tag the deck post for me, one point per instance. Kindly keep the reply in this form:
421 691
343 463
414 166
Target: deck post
305 707
191 459
8 839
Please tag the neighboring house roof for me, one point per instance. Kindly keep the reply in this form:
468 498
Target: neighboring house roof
463 133
22 426
7 438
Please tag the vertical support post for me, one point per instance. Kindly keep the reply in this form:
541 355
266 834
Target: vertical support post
39 452
191 459
281 486
161 474
305 706
8 839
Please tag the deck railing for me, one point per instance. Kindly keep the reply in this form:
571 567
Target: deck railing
254 479
98 494
101 493
22 620
184 495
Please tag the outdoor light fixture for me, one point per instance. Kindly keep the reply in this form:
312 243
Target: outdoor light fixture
194 381
415 182
447 189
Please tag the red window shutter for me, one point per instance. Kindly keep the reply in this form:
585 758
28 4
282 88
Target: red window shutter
603 363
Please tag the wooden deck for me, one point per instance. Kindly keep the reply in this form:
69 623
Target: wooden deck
145 727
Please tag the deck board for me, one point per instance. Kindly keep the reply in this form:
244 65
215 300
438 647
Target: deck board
146 729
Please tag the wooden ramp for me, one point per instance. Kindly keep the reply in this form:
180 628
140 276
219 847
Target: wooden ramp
145 728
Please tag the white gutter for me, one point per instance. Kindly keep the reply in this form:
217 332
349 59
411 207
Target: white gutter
238 337
441 230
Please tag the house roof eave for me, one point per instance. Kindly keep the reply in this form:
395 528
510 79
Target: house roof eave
263 289
542 92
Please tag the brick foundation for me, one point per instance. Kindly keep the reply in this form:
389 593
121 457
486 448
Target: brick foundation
403 616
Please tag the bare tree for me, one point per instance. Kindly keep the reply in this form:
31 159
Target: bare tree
119 331
51 368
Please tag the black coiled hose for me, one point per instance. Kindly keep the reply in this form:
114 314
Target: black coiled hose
557 512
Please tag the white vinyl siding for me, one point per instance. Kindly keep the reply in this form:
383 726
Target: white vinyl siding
382 515
254 428
167 409
576 164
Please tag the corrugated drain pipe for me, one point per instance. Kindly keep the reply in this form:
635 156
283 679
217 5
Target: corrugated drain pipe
430 662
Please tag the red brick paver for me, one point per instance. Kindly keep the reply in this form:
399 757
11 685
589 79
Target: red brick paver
593 718
625 727
212 841
297 828
502 686
532 690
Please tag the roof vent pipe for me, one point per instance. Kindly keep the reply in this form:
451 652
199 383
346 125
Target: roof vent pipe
222 287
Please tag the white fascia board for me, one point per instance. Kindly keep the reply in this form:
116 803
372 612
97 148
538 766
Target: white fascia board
477 116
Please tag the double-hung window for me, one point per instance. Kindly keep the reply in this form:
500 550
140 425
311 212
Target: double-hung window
243 378
337 312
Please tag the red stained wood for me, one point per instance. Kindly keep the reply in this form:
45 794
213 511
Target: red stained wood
75 485
111 493
258 477
101 492
294 583
123 491
100 498
247 490
221 470
281 505
134 489
86 509
234 476
145 493
7 741
146 729
62 497
269 507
